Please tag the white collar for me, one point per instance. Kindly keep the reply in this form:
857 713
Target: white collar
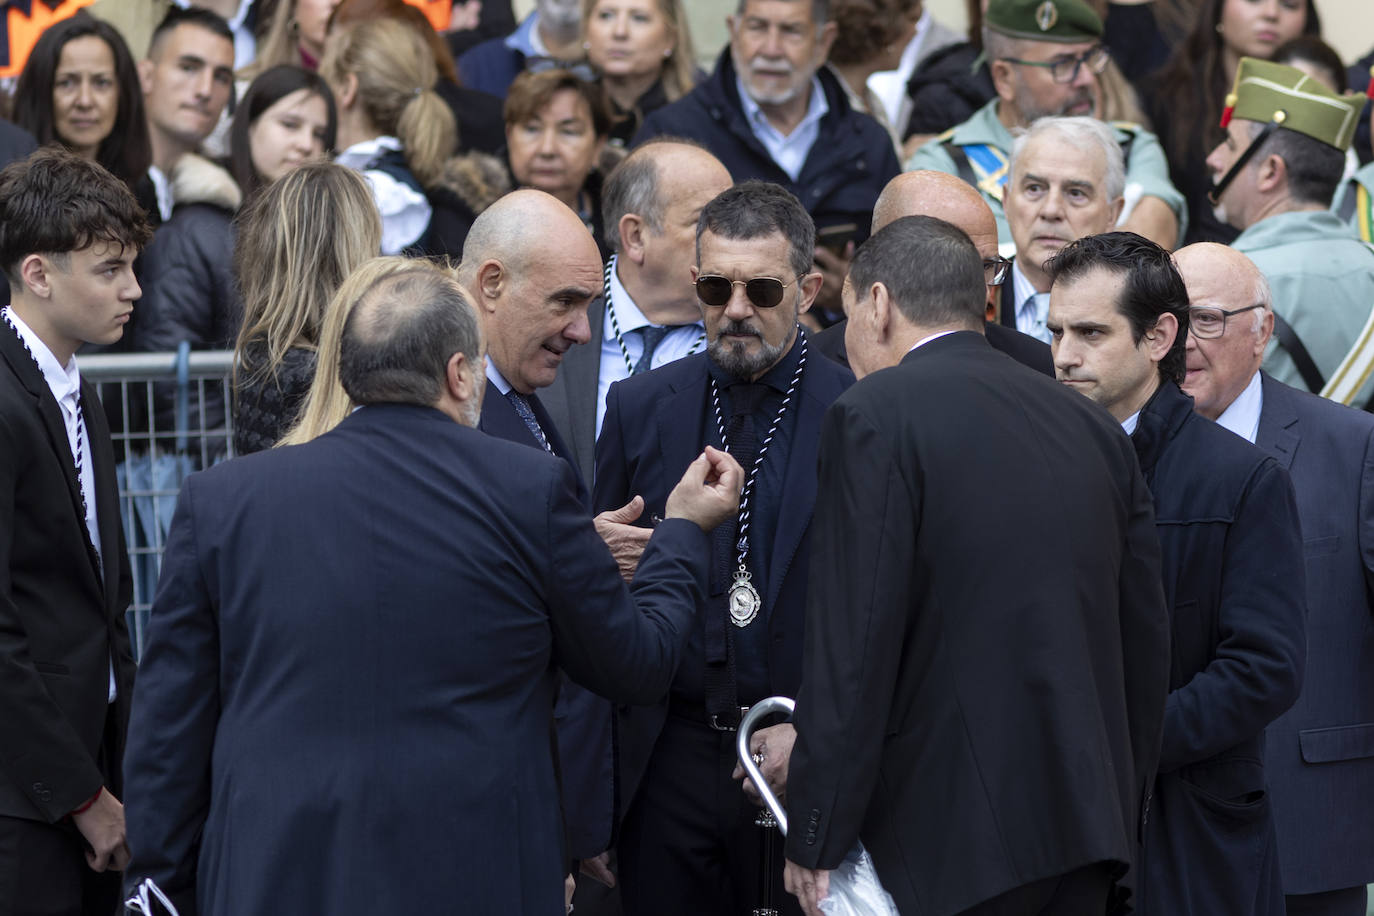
1022 287
928 338
1130 422
162 187
1242 416
64 382
496 378
627 314
365 151
816 109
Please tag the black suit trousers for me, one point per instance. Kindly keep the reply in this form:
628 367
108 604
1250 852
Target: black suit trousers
1081 892
688 853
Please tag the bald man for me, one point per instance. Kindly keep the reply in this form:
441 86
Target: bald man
647 315
930 193
1320 776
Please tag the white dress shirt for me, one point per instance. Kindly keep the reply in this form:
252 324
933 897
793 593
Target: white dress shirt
677 343
1243 416
162 187
65 384
405 213
789 151
1129 424
1032 306
890 85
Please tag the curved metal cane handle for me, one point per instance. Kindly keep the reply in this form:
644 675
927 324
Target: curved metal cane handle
758 711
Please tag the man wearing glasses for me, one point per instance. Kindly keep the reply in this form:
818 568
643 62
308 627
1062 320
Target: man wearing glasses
1321 781
1045 57
688 842
1233 576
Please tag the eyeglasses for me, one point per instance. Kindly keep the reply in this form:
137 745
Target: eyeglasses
1065 69
763 292
995 270
1205 322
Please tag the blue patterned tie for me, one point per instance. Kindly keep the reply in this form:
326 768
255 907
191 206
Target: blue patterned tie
653 336
526 412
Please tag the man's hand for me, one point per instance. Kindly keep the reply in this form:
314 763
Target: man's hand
625 540
102 824
599 869
809 886
708 493
834 268
774 745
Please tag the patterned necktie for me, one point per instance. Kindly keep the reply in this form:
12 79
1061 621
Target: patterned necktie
653 336
1031 317
526 413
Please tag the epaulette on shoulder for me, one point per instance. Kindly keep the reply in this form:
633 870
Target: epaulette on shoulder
1131 127
946 136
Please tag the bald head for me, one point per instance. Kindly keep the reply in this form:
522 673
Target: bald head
518 227
1229 306
942 196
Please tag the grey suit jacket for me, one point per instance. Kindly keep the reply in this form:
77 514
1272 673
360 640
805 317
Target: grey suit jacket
571 399
1320 754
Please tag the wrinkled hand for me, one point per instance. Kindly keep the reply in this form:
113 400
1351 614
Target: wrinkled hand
834 269
569 888
102 825
810 886
775 744
625 540
599 869
708 493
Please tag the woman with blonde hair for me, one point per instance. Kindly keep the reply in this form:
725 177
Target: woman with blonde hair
400 134
289 265
295 35
327 403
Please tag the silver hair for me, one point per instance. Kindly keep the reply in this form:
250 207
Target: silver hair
1082 133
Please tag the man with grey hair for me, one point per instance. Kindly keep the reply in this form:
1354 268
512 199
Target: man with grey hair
346 695
648 313
771 111
1045 57
1321 789
688 841
1066 178
548 37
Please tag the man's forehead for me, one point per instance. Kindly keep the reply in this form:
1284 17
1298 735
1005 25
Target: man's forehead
779 11
193 39
1052 50
1049 156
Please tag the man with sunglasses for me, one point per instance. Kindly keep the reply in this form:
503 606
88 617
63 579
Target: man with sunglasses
1232 572
1275 174
688 841
1321 784
1045 57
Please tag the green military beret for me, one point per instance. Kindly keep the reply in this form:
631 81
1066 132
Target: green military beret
1044 20
1267 92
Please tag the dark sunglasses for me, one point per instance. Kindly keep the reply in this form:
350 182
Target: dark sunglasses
762 292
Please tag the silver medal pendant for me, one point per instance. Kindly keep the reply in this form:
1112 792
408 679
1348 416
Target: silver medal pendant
744 599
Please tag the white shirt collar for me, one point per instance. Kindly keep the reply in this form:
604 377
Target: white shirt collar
364 151
1243 415
1130 422
928 338
1022 287
816 109
496 378
162 186
64 382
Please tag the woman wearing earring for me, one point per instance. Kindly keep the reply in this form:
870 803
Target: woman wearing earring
642 51
1184 99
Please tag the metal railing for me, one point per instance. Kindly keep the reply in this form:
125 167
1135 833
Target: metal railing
169 415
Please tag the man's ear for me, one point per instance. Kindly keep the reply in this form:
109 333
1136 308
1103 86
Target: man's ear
810 285
1117 206
1266 329
1271 173
34 270
458 378
825 40
632 230
1160 338
145 75
491 282
882 306
1002 80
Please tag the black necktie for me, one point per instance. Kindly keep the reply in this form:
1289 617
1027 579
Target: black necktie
741 432
653 336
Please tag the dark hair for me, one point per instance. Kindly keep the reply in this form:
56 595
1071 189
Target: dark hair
399 338
1310 49
126 151
632 187
1314 168
191 15
865 28
532 90
752 209
1194 83
268 88
1153 285
930 268
55 202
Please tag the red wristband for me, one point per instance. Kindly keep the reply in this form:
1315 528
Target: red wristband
90 801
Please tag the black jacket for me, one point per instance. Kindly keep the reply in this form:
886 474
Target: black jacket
947 88
1234 581
267 405
848 166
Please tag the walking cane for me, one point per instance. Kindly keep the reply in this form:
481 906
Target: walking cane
772 815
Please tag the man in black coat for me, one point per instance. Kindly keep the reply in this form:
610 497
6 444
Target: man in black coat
69 232
989 738
345 705
1233 577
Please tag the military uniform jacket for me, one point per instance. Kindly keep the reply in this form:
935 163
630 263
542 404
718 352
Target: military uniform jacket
1354 202
1322 278
987 145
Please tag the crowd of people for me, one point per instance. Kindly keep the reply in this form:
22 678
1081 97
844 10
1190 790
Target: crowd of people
1003 398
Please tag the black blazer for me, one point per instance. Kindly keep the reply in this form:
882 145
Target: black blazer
986 653
344 704
571 399
1023 348
61 614
656 425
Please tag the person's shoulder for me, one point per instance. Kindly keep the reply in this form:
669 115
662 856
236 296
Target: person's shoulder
824 375
647 388
1323 413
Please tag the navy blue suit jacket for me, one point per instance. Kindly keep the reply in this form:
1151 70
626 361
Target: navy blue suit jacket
344 707
656 425
1320 754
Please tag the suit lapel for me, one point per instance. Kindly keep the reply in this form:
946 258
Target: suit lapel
1007 313
1278 432
108 520
679 438
499 419
581 381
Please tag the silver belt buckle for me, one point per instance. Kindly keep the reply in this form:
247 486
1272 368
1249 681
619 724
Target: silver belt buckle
714 722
